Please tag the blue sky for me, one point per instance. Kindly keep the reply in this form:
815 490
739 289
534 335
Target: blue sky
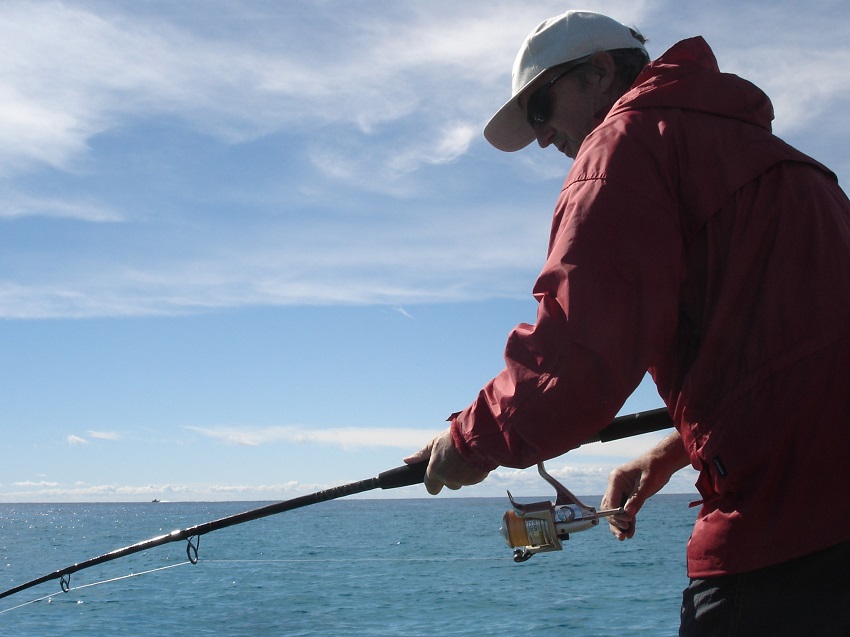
253 249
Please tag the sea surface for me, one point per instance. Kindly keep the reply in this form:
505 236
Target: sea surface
424 566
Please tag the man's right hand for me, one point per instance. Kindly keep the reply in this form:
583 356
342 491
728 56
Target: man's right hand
446 467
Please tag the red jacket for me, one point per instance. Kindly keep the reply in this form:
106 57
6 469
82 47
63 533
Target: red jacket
690 241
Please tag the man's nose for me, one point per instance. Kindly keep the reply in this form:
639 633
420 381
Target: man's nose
544 134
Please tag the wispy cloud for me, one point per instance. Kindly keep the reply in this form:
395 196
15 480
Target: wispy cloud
42 484
77 441
344 437
357 124
403 312
14 206
293 264
73 72
44 491
27 491
104 435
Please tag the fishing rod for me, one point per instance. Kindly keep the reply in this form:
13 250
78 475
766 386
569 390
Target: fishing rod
406 475
642 422
398 477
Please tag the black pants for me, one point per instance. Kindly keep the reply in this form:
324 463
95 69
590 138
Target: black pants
805 597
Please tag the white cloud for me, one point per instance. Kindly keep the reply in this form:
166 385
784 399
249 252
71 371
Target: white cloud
73 71
14 206
75 441
344 437
624 448
358 112
104 435
290 263
581 479
85 492
28 491
39 484
451 143
271 491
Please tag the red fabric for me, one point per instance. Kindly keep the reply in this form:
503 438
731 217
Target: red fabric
691 242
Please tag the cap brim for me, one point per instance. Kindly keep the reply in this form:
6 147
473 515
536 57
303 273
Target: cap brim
508 129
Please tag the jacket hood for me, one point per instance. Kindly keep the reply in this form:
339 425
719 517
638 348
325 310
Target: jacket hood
687 76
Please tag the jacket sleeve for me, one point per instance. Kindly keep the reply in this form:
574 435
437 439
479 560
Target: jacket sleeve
608 298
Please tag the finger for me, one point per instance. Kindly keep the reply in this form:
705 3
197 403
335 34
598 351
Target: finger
620 487
616 531
622 533
634 503
622 525
626 520
610 502
608 498
432 486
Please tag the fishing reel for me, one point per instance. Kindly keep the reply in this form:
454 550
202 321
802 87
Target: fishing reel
542 526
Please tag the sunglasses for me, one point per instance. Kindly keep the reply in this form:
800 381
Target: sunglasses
539 108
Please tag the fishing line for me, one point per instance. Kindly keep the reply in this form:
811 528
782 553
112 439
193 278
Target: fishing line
128 576
82 586
358 559
27 603
440 559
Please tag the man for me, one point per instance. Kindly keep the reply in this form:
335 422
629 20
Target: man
690 242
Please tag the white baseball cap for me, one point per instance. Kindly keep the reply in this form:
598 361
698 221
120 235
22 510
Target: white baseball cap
564 38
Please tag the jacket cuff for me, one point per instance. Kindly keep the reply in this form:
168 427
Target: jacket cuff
466 452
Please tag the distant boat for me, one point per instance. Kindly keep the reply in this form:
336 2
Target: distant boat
154 500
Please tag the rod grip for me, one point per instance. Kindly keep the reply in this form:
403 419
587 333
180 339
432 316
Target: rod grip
403 476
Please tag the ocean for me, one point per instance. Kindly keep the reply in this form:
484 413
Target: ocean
371 567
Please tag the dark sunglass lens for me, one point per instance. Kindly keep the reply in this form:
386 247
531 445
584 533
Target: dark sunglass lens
538 106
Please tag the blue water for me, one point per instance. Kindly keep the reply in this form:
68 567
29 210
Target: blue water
427 566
